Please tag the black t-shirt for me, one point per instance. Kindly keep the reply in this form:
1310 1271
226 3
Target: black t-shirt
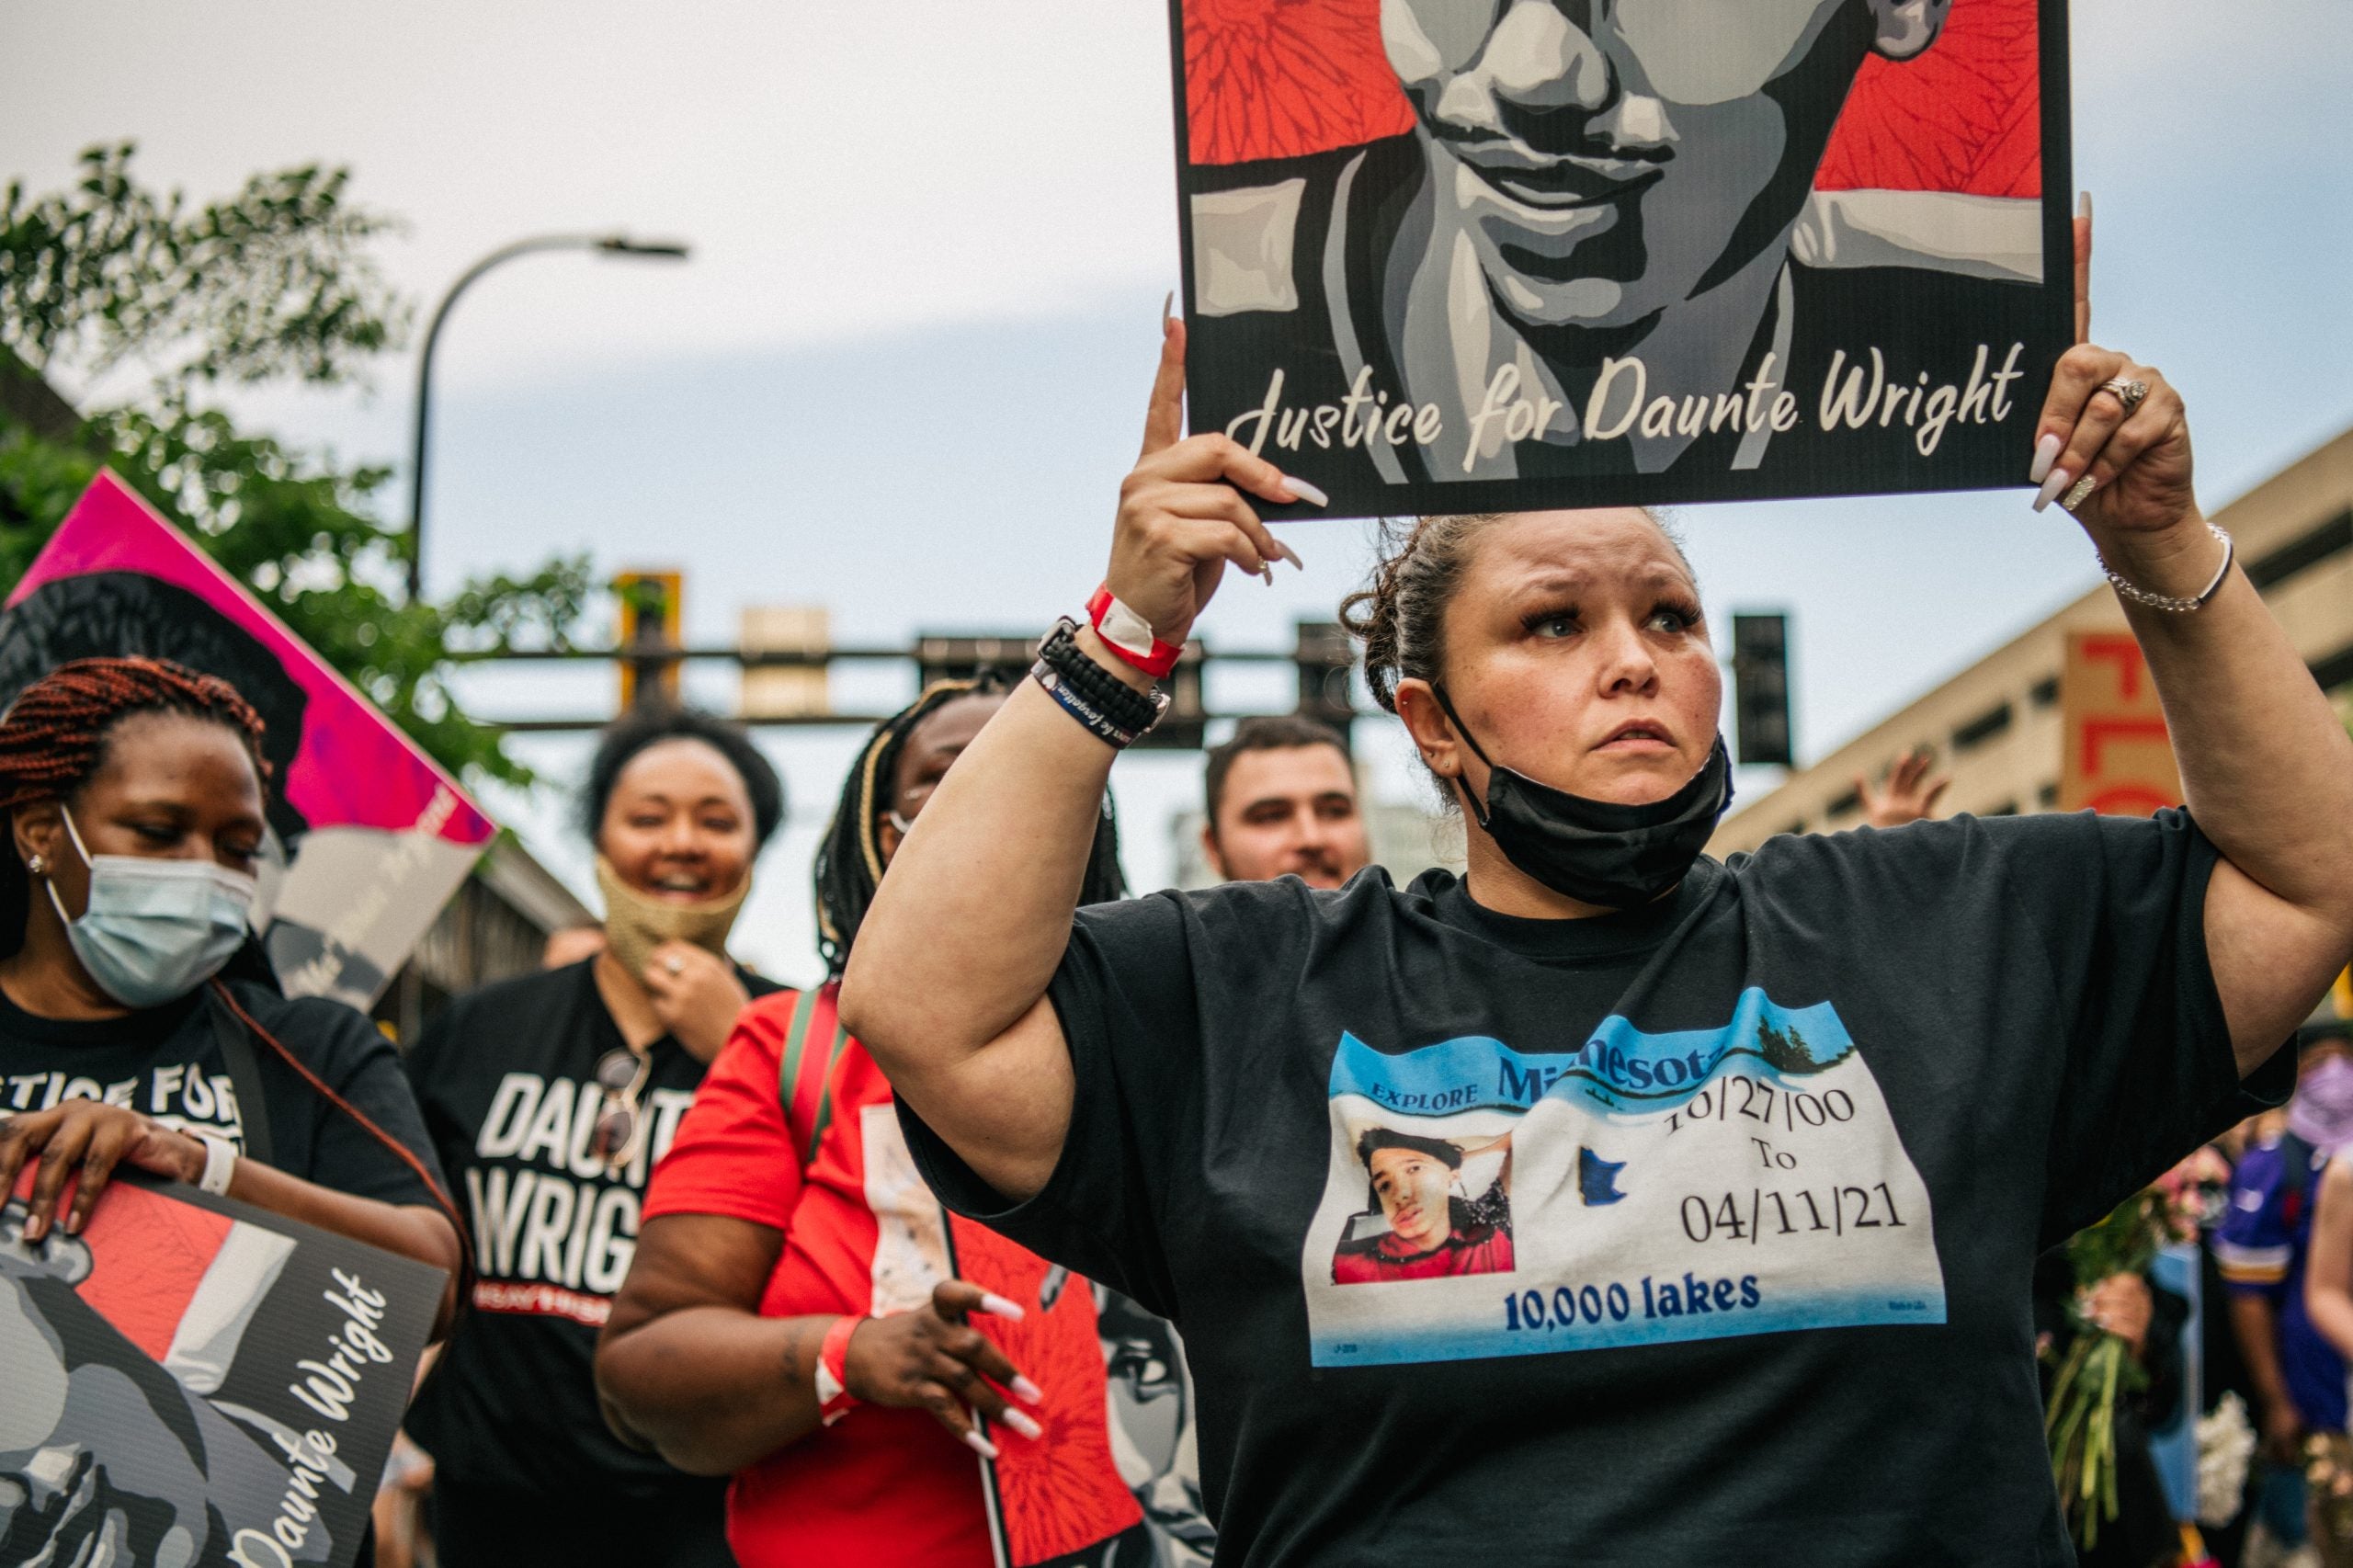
1698 1233
166 1062
508 1078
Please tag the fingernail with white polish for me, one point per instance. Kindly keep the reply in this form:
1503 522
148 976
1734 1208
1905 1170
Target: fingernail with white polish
1168 310
1023 1389
2046 452
2056 482
2083 205
979 1445
2074 498
1021 1422
1307 492
1265 573
996 1306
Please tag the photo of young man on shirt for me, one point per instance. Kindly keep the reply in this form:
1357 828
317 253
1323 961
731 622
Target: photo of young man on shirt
1431 1232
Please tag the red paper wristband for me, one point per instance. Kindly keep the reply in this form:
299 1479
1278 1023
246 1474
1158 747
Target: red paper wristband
834 1398
1130 636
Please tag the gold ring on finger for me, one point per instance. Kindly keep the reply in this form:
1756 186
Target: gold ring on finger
2130 393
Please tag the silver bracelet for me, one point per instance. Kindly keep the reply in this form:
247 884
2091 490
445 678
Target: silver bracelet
2166 602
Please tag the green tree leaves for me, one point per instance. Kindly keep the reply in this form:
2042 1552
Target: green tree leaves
274 284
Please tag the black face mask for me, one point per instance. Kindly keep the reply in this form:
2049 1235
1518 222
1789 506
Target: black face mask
1597 851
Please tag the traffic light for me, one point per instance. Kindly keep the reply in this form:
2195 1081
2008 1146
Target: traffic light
652 619
1760 674
1325 657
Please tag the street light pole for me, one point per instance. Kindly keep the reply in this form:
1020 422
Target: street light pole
608 244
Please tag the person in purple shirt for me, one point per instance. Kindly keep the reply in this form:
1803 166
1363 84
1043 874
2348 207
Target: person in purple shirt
2265 1243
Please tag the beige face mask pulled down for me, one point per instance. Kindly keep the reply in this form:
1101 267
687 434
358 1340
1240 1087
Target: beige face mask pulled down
636 925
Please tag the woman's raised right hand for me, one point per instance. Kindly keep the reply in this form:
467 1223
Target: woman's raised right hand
934 1358
1182 513
87 1140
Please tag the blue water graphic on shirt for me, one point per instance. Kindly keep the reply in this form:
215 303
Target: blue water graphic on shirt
1619 1064
1642 1188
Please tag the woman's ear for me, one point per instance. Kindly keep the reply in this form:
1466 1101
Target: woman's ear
887 836
1906 28
37 829
1426 722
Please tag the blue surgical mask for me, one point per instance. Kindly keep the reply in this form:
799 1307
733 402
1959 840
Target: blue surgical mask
154 929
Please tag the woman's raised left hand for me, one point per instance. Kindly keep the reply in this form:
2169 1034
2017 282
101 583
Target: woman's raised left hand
2138 465
696 994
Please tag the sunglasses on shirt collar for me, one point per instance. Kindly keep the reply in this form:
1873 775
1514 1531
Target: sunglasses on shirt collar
621 1074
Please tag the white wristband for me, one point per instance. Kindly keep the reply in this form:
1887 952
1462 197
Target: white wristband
220 1164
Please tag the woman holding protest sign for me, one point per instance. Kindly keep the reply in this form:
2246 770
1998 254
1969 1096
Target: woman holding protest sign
139 1026
550 1097
790 1249
1787 1132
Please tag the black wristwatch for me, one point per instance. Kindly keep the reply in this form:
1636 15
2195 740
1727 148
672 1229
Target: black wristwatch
1109 708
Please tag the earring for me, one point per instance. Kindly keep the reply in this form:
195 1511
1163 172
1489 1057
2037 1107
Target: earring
37 865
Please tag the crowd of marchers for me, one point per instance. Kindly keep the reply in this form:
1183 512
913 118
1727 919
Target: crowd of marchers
1058 1225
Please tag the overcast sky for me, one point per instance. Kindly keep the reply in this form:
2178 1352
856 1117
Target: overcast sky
903 371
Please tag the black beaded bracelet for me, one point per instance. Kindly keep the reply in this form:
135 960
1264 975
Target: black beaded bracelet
1109 707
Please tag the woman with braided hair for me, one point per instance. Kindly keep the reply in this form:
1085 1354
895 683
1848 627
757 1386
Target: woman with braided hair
893 776
138 1024
792 1268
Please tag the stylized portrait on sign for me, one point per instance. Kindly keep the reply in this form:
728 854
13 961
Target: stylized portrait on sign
1445 254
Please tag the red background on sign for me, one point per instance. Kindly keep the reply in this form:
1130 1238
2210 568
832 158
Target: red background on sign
1281 78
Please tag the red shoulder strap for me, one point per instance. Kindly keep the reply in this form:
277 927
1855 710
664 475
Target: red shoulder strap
805 1080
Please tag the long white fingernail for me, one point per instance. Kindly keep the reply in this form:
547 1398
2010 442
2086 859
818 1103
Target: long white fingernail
2046 452
1168 310
1023 1389
1307 492
2055 483
1292 556
2083 205
1020 1422
996 1306
979 1445
2074 498
1267 574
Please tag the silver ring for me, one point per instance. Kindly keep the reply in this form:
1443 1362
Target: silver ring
675 964
2132 394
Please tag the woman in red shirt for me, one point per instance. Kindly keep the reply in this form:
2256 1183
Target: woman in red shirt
793 1266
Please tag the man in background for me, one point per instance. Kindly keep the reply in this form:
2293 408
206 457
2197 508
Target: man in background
1282 801
2263 1246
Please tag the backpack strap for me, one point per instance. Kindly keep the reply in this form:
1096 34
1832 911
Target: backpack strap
804 1081
244 1075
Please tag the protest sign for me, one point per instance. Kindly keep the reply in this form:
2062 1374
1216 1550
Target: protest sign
370 837
2118 759
193 1380
1495 254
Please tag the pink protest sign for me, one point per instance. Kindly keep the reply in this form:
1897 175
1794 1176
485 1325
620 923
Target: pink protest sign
376 837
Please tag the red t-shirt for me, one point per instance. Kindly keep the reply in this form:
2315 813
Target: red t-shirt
1484 1250
863 1234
